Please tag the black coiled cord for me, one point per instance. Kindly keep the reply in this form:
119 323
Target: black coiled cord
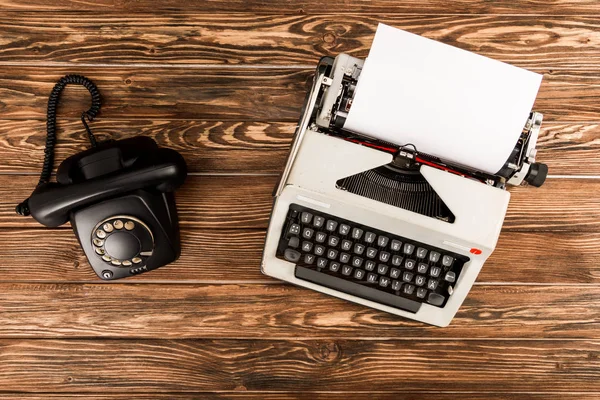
23 208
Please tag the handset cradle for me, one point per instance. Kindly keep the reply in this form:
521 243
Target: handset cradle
51 203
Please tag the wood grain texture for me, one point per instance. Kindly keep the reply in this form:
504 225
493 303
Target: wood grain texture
248 311
238 94
209 255
312 395
223 83
499 7
210 38
207 146
271 365
259 147
245 202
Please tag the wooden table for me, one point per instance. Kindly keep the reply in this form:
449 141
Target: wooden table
223 83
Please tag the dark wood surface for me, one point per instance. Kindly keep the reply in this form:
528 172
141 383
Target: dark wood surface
244 201
315 395
267 310
213 146
570 259
87 365
294 7
195 39
223 83
248 93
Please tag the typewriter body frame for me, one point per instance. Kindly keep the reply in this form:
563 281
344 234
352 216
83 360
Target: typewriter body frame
318 159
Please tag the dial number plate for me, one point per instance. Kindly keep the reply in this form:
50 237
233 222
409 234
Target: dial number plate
123 241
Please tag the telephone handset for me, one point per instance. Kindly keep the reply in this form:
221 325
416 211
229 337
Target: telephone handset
118 196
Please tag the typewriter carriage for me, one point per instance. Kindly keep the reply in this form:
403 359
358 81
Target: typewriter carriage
332 107
330 169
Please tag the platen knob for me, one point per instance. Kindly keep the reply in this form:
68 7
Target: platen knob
537 174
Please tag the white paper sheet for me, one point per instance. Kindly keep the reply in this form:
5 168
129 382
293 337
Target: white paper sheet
448 102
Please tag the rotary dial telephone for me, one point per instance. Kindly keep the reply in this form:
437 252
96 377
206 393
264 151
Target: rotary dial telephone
118 196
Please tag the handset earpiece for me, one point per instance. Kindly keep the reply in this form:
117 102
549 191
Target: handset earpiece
163 170
163 157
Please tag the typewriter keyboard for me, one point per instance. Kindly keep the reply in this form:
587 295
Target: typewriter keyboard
367 262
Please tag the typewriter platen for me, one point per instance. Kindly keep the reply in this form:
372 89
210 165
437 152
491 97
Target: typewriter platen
385 225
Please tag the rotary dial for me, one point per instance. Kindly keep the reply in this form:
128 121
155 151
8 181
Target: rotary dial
123 241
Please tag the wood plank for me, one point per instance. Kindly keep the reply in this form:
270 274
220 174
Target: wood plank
155 366
252 94
260 147
245 202
294 7
234 39
570 149
126 310
225 94
312 395
207 146
214 256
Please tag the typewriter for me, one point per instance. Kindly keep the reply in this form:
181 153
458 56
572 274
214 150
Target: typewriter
384 225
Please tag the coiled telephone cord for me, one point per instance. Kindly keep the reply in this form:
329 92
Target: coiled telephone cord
53 100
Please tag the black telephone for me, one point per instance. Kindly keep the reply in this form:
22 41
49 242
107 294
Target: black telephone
118 195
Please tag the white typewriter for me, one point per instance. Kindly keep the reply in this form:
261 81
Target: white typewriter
384 225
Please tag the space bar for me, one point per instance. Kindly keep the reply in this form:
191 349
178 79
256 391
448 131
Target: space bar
356 289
